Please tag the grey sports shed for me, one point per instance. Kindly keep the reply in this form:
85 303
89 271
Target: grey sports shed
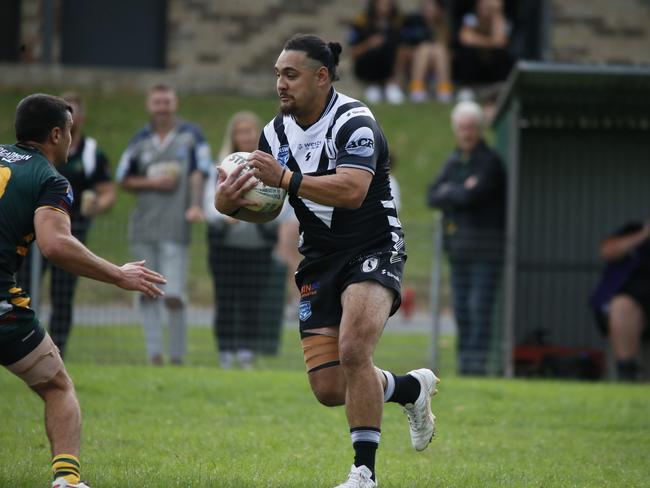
576 142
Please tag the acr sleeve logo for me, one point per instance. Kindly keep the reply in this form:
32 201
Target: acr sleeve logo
361 143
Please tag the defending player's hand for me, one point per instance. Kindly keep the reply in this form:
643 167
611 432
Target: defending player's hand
136 277
231 188
267 168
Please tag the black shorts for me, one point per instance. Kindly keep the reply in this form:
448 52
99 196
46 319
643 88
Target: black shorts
20 334
321 281
639 290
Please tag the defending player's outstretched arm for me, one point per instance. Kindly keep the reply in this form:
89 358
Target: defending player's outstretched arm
59 246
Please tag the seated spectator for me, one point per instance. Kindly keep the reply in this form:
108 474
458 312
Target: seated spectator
240 257
481 55
622 298
424 35
374 38
471 192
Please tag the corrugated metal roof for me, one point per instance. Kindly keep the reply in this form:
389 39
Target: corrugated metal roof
603 84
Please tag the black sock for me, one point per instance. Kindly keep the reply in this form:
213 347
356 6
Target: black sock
627 369
407 390
365 441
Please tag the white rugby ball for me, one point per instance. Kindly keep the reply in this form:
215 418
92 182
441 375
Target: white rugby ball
267 198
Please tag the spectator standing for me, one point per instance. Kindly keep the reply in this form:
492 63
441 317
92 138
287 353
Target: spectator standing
89 174
482 55
165 165
622 299
375 40
240 255
470 191
425 34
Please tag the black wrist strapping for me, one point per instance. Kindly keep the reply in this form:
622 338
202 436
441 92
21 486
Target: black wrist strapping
294 183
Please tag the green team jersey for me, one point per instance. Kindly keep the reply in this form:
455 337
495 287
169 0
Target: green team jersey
27 181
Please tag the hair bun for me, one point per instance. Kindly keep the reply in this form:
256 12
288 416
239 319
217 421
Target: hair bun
336 49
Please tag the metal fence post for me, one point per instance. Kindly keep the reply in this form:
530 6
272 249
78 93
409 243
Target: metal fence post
435 288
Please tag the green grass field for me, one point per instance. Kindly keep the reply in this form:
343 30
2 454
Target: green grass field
203 427
199 426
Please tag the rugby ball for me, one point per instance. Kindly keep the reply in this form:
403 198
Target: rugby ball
267 198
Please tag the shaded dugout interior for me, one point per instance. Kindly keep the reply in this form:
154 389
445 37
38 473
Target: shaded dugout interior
576 143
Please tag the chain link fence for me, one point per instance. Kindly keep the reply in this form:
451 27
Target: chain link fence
254 296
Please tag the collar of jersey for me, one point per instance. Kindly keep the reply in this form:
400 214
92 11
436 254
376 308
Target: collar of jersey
28 147
331 101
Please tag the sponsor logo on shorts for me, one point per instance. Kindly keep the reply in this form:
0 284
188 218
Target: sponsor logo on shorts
389 274
369 265
283 154
304 310
309 289
395 257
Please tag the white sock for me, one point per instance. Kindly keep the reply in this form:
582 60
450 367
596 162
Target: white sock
390 385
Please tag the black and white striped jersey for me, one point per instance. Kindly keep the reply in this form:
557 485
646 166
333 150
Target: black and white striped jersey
346 135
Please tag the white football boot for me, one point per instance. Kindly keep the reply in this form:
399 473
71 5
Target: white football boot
422 422
62 483
359 478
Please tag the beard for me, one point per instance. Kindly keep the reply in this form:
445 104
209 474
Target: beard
287 108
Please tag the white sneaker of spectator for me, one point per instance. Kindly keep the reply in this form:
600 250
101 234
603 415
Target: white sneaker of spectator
394 94
465 95
226 359
372 94
444 97
444 92
245 358
418 96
